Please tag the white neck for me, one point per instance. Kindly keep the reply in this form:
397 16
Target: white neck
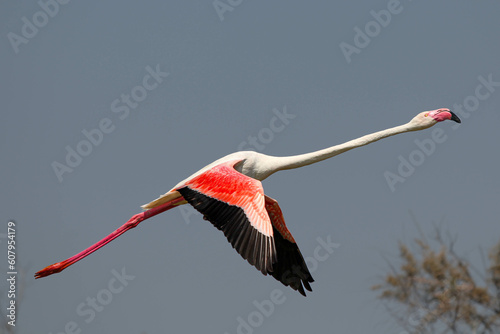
296 161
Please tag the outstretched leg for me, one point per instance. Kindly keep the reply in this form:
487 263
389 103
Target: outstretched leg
131 223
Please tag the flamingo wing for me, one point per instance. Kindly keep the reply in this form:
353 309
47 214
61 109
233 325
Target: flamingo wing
235 204
290 269
252 222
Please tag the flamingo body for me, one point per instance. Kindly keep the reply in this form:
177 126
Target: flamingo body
229 194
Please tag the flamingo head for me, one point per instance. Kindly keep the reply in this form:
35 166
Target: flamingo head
427 119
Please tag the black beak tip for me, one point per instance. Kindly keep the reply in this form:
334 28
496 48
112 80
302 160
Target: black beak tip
454 117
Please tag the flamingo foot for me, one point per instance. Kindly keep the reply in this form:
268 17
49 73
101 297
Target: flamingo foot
49 270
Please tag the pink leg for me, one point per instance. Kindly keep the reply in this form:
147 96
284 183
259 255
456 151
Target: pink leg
131 223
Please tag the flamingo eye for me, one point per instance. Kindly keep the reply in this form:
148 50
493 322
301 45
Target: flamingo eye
426 114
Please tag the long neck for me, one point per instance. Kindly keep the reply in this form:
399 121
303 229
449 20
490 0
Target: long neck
296 161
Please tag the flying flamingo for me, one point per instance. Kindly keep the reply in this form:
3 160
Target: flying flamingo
229 194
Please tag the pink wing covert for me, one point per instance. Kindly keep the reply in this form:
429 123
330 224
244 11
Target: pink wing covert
235 204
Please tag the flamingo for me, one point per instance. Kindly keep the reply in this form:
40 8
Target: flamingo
229 194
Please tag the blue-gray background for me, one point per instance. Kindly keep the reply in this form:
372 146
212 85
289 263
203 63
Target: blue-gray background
225 78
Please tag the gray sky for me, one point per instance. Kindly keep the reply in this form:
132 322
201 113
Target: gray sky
229 75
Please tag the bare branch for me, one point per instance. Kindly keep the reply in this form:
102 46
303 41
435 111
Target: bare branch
436 284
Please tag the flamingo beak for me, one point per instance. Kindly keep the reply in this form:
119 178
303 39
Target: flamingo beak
454 117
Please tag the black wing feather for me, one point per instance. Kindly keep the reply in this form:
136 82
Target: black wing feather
290 269
232 220
273 255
